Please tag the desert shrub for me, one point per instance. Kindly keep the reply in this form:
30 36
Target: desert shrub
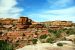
43 36
59 44
34 41
50 40
4 45
70 31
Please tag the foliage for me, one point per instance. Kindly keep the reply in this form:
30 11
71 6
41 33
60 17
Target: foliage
70 31
4 45
57 33
50 40
59 44
34 41
43 36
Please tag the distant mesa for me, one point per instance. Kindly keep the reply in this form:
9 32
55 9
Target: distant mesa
21 23
25 22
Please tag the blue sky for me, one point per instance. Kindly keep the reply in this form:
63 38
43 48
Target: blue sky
38 10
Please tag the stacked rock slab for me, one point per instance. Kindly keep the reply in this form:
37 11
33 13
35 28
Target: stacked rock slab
23 23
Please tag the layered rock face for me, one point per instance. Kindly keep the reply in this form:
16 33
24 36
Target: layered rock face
24 23
23 20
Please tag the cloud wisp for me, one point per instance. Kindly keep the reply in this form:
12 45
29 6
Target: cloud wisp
61 10
62 14
8 9
60 4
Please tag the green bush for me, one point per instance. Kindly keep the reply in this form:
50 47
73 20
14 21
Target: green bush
43 36
4 45
50 40
59 44
34 41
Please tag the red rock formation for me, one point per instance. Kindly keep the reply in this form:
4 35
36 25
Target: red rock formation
23 20
23 23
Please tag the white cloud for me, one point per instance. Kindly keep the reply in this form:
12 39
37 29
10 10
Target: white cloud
62 14
8 9
60 3
61 10
66 12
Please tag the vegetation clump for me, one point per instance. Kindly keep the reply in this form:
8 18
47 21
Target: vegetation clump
4 45
34 41
59 44
43 36
50 40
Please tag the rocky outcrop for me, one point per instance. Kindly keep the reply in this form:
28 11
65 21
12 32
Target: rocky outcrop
24 22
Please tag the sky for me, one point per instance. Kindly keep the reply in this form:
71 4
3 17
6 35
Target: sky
38 10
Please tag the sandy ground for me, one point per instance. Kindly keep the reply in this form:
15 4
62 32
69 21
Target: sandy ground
47 46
